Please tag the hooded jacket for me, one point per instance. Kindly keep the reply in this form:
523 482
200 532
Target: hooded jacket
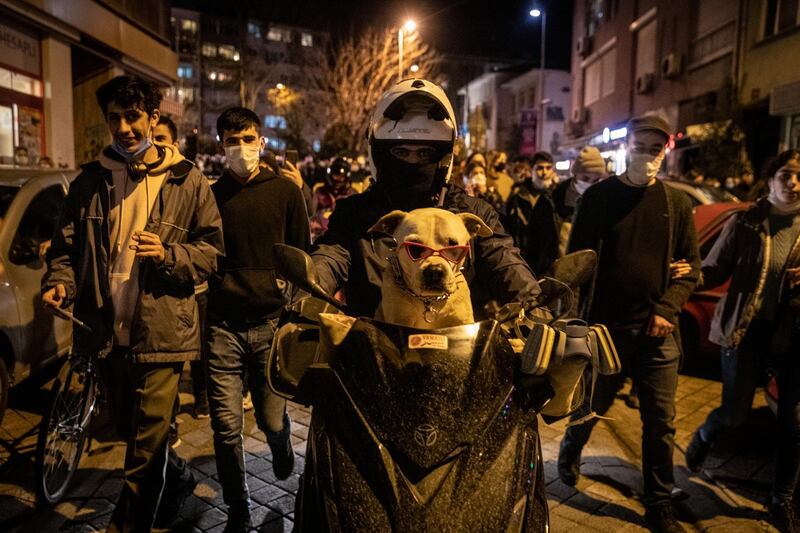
742 253
348 256
163 323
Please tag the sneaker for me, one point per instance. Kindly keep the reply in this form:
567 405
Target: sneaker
696 452
173 500
280 443
247 402
201 405
661 519
569 469
238 519
783 516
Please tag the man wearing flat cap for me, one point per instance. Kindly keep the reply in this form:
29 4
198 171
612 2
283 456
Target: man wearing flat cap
637 225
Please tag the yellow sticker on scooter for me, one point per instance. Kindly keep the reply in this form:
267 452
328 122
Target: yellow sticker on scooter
426 340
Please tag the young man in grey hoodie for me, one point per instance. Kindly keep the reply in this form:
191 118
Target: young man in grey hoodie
138 231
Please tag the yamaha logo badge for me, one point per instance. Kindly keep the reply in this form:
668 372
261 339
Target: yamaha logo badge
425 435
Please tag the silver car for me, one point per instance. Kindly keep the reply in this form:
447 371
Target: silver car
30 337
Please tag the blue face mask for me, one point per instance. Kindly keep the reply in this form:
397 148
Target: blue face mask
131 156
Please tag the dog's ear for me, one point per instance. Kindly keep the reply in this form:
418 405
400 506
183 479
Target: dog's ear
388 222
475 226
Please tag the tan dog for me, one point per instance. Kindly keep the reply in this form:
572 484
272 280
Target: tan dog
423 286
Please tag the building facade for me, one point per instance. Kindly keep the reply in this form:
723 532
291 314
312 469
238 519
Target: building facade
226 61
54 55
500 110
769 76
677 58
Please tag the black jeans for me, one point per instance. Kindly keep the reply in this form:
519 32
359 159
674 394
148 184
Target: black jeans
232 349
652 363
142 396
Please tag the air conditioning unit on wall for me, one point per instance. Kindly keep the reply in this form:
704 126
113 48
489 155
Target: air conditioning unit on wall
671 65
645 83
580 115
583 46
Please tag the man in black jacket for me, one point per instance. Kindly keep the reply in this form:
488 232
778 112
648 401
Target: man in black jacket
258 209
411 138
138 231
637 225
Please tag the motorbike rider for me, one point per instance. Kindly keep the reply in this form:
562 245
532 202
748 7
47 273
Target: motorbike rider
411 137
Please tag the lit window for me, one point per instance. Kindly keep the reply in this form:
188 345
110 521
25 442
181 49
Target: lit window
277 144
227 51
275 122
184 70
306 39
189 25
254 30
316 145
279 34
209 50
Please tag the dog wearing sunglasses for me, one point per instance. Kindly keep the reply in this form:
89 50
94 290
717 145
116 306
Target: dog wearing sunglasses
423 286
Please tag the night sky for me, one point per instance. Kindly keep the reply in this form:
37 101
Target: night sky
497 28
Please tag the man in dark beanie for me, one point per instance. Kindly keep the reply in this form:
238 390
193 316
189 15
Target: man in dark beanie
636 225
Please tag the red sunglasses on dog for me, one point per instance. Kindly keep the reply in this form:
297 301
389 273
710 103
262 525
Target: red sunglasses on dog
418 252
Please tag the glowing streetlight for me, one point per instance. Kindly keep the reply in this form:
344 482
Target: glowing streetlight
414 68
409 26
536 13
280 86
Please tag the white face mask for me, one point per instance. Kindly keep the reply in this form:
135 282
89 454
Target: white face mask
643 167
242 159
581 186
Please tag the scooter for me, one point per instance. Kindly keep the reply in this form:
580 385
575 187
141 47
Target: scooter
427 431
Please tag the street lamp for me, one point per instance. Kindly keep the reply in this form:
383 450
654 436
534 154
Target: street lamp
409 26
536 13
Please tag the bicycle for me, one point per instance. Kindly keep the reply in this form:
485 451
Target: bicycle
65 425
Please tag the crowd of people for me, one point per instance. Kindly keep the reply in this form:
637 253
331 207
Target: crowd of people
165 267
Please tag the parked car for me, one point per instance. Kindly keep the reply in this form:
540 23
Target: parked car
30 337
702 194
695 318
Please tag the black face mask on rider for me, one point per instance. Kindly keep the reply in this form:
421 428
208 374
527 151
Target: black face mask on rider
411 175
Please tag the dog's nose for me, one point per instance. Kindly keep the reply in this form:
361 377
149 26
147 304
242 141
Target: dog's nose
434 276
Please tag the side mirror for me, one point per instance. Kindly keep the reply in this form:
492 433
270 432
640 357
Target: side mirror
575 269
297 267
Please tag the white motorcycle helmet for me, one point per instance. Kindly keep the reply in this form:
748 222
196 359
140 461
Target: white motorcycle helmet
414 111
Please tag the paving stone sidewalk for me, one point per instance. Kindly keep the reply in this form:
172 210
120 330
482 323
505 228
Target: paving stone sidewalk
728 497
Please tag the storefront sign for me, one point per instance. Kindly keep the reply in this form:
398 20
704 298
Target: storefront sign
20 50
527 123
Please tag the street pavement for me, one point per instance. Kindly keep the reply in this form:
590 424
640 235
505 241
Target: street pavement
729 496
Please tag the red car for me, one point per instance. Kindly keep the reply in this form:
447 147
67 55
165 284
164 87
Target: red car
695 319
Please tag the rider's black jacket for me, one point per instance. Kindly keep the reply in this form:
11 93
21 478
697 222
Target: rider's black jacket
348 257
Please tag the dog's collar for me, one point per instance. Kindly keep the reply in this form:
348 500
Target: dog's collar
429 315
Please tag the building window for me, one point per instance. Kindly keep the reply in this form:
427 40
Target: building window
20 83
275 122
209 50
220 76
184 70
646 49
306 39
599 77
186 95
228 52
781 15
254 29
189 26
281 35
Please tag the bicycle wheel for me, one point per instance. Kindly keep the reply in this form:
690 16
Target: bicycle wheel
63 430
